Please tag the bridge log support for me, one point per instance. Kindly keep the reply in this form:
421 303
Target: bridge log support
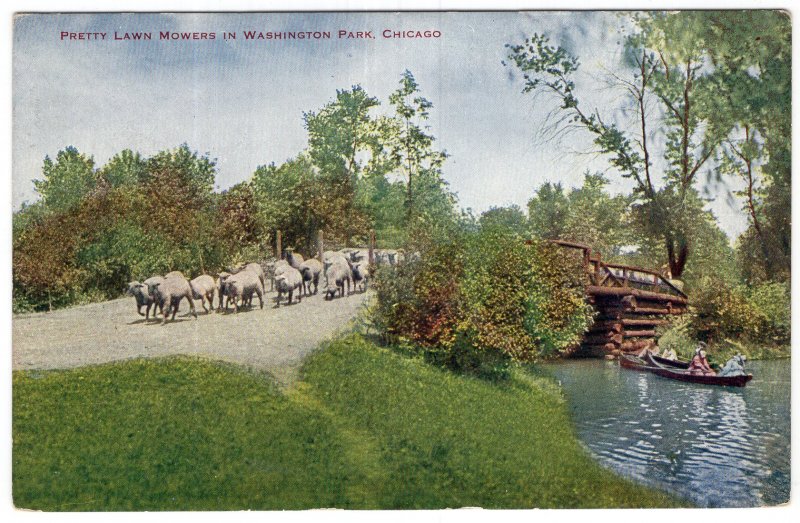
631 302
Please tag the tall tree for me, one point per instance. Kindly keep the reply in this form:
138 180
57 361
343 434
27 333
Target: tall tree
587 214
342 144
751 56
411 147
665 71
340 131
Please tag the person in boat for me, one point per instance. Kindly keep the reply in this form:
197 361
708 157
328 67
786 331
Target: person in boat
669 354
651 349
699 363
734 366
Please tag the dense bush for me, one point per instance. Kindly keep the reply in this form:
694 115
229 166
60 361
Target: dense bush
482 300
760 313
774 301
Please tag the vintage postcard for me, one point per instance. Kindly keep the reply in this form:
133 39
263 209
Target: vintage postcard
401 260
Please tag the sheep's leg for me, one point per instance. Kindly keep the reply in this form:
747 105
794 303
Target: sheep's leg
316 283
235 303
147 316
191 305
139 309
250 299
165 314
300 295
260 298
291 291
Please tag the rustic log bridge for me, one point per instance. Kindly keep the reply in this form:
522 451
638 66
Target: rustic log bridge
631 302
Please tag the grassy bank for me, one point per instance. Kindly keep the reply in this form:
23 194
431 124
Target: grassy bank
364 428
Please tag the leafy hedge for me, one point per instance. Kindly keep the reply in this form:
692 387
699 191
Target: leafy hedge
761 313
481 300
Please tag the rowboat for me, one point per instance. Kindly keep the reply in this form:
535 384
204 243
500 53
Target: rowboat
649 364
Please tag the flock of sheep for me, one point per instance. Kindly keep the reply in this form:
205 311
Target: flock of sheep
237 286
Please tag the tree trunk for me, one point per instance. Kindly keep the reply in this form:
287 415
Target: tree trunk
677 255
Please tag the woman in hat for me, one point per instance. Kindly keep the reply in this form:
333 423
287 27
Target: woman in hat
699 363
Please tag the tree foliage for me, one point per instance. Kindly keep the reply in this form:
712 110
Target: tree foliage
66 181
587 214
673 84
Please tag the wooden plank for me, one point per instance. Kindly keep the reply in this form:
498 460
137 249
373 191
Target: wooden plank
602 340
607 326
631 345
645 321
627 311
606 347
650 310
597 290
640 334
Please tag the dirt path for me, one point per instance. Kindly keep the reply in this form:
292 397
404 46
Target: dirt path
273 339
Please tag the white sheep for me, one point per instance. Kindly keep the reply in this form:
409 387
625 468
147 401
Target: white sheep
361 275
310 269
171 291
294 259
243 285
286 282
336 274
203 288
258 270
222 290
155 295
139 291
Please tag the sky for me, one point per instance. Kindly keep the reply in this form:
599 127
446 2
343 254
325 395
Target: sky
242 101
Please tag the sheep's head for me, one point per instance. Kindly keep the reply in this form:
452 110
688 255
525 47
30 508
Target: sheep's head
133 287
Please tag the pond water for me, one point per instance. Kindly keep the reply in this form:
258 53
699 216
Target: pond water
716 446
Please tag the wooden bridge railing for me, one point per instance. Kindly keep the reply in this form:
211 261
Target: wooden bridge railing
602 275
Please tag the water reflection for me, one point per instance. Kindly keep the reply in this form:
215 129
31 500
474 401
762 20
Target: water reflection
720 447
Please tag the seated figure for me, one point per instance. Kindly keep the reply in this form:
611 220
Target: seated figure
699 363
734 366
669 354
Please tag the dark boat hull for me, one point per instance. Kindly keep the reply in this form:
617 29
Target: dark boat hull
649 365
725 381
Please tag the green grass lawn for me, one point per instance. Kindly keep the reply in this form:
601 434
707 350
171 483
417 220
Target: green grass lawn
364 428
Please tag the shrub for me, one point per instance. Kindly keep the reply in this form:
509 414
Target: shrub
678 336
723 311
482 300
773 300
418 301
